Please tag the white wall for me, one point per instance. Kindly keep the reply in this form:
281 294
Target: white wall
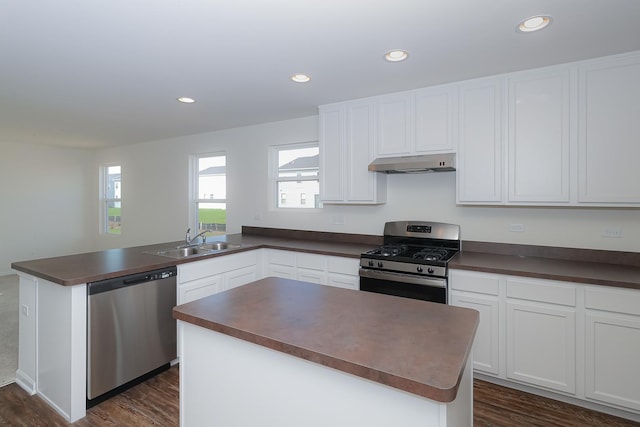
155 175
43 202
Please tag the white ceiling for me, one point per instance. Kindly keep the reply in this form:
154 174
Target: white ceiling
107 72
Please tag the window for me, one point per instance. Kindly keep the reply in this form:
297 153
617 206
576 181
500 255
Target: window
295 176
111 181
209 190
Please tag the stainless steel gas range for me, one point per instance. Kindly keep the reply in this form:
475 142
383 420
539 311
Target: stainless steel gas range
412 262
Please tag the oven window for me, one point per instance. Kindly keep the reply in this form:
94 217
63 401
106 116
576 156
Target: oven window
421 292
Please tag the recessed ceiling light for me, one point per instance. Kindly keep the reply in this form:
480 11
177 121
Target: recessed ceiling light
301 78
396 55
534 23
186 100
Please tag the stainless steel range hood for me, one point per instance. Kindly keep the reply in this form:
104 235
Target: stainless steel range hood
414 164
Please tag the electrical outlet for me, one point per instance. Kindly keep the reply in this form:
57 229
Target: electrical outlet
612 232
517 228
25 310
338 220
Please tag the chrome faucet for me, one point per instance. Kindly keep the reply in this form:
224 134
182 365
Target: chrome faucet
189 241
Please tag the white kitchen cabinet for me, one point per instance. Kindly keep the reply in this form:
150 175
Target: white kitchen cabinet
347 144
315 268
435 119
343 272
280 263
396 131
480 145
612 346
199 288
538 143
541 333
416 122
199 279
480 291
311 268
608 148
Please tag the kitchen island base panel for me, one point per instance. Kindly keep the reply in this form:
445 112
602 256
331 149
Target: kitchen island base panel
230 382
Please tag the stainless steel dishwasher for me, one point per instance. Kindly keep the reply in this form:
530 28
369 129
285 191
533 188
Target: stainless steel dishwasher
131 333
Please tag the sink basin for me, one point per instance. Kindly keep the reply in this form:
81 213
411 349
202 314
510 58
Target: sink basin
218 246
193 251
182 252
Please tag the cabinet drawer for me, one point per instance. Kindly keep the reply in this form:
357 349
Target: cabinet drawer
542 291
281 257
616 300
343 265
482 283
209 267
310 261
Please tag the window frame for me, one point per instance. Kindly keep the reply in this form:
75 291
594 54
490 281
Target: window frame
275 179
105 200
194 193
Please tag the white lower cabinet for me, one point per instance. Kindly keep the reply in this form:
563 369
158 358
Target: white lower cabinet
199 288
315 268
612 347
480 291
578 340
199 279
541 333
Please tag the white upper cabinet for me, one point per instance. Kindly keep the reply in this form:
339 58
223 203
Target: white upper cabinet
416 122
609 125
396 132
333 136
347 144
435 119
538 137
479 171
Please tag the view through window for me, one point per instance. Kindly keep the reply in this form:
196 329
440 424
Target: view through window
112 197
211 194
297 177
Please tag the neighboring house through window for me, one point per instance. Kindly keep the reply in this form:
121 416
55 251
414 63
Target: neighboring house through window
209 193
111 195
294 172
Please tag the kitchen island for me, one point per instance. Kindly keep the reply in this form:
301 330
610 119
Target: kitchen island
283 352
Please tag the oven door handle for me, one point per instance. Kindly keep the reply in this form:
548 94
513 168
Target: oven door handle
403 278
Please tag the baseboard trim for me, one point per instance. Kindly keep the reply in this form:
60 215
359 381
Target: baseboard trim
560 397
25 382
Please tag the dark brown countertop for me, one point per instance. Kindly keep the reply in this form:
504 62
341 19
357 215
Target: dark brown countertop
415 346
623 276
89 267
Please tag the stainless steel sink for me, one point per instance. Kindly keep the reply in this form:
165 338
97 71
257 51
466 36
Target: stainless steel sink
218 246
194 251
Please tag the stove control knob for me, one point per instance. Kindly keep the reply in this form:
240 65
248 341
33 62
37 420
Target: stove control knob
370 263
380 264
419 269
430 270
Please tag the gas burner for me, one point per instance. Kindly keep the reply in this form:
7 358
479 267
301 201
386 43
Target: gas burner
431 254
389 250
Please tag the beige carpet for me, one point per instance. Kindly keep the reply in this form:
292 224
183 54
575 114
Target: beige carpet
9 291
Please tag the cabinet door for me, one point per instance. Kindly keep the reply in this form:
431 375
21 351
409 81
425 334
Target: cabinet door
199 289
434 119
480 164
538 137
239 277
608 148
612 357
396 131
541 345
332 148
486 346
363 186
346 281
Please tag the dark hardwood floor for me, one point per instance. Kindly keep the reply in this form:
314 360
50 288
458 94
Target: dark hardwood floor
155 402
